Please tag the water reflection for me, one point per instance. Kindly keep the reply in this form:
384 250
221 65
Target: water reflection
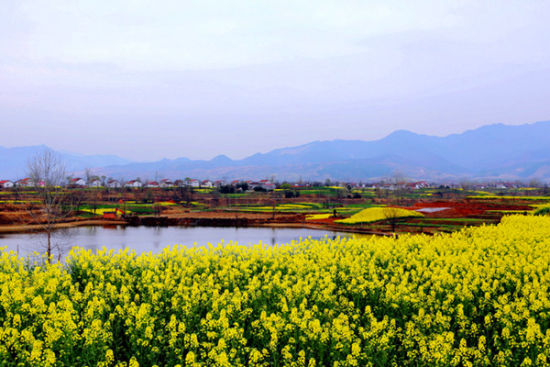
154 239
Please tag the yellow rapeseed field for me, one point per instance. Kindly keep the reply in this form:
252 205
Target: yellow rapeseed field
378 213
100 211
318 216
478 297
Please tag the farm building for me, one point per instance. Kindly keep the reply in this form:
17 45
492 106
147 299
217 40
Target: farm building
6 184
77 182
152 184
262 185
96 182
133 183
418 185
113 184
193 183
24 182
166 183
267 185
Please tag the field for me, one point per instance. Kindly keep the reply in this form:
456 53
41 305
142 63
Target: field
429 210
479 296
379 213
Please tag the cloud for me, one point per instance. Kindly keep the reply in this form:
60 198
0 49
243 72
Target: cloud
207 34
199 78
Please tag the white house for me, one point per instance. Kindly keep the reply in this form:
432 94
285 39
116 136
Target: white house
420 185
95 182
152 184
113 184
166 183
77 182
24 182
194 183
6 184
207 184
267 185
133 183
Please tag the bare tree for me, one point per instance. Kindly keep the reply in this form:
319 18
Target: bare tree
88 173
392 216
47 173
274 203
398 182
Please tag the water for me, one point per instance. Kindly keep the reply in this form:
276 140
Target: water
432 210
144 239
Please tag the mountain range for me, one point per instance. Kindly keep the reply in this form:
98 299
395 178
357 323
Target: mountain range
498 152
14 161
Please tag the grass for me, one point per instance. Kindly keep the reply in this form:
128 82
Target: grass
322 191
528 211
305 207
128 208
203 190
431 225
470 220
234 195
545 211
509 197
292 208
20 201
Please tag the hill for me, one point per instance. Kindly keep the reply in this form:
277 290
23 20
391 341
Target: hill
13 161
490 152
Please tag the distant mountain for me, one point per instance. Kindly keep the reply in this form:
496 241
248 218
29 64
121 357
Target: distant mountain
490 152
13 161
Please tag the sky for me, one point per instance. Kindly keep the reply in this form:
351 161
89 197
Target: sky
152 79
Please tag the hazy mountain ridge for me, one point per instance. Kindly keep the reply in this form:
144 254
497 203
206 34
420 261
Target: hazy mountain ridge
490 152
13 161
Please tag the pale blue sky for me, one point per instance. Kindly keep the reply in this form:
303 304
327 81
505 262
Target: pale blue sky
152 79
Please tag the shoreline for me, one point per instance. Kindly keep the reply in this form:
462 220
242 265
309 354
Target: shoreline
325 227
36 228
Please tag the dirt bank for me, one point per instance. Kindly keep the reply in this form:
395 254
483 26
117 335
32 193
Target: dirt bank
210 219
23 228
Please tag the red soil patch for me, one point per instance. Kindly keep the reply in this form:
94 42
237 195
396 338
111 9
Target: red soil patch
325 221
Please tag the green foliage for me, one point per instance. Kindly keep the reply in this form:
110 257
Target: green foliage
543 211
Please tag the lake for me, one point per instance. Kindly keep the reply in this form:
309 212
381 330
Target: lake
144 239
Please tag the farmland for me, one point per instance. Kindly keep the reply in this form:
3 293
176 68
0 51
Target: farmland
475 297
370 215
429 210
453 278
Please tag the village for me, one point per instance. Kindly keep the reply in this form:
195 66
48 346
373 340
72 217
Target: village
102 182
357 207
261 185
